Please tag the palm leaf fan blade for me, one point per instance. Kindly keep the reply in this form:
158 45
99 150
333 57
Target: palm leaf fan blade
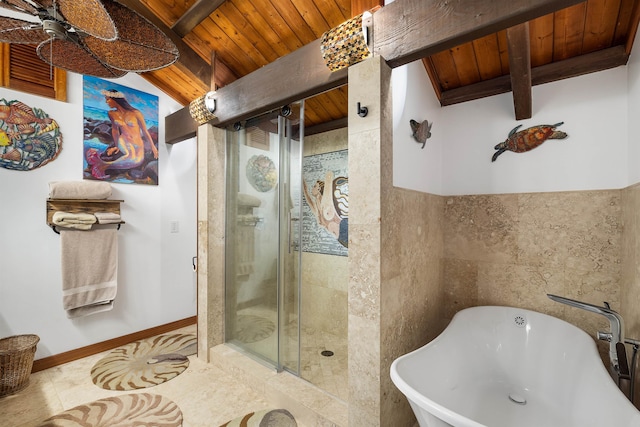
41 3
90 17
72 56
130 57
19 31
140 46
19 6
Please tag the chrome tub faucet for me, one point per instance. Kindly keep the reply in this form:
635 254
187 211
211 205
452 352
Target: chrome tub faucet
619 366
616 323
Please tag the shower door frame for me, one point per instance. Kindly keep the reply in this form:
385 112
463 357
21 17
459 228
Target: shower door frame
289 257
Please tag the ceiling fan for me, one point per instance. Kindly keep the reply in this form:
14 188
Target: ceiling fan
102 38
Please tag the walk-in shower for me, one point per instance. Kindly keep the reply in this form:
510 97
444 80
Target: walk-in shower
286 246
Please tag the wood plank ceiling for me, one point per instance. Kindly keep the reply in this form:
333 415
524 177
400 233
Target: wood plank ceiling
241 36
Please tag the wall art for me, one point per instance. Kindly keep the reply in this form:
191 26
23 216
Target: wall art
29 138
528 139
120 133
325 212
420 131
262 173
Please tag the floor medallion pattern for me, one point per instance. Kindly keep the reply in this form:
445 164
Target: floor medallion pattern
144 363
141 410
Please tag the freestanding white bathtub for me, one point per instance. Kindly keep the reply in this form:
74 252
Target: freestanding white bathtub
509 367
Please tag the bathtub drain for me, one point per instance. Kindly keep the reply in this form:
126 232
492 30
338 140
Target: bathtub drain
516 398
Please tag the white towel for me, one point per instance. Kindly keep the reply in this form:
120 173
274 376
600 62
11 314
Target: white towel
89 270
108 218
79 190
80 220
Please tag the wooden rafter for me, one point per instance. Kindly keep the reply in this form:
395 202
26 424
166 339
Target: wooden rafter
520 69
404 31
572 67
197 13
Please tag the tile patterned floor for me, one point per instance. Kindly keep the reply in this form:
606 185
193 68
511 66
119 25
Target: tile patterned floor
206 394
209 394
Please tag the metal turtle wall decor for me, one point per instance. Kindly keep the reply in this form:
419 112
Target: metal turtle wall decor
528 139
420 131
29 138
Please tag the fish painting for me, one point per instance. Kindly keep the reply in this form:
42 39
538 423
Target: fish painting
19 113
29 138
420 131
528 139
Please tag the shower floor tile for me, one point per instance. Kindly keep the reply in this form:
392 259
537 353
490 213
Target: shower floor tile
328 373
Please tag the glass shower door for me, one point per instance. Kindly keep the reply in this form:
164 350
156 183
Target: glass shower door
262 260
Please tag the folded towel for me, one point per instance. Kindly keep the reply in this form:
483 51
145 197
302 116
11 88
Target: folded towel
108 217
79 190
89 270
80 221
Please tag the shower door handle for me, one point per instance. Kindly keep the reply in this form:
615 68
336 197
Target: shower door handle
290 231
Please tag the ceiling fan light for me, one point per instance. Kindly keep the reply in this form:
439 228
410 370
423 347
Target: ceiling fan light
54 29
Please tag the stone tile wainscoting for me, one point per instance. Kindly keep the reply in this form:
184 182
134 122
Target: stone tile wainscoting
513 249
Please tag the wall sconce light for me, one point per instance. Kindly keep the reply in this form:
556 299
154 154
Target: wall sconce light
347 44
202 109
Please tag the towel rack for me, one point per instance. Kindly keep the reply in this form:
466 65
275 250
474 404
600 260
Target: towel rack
81 206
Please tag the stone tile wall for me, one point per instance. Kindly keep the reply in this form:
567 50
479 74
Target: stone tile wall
630 277
325 278
514 249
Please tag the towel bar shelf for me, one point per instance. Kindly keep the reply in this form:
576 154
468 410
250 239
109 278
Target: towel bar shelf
81 206
55 230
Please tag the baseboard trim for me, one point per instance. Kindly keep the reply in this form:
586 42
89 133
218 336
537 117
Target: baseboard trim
90 350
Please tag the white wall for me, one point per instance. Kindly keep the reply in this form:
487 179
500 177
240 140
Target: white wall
413 99
593 108
156 284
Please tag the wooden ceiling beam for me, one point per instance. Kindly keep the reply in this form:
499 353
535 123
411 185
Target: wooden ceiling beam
404 31
197 13
327 126
592 62
520 69
407 30
298 75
